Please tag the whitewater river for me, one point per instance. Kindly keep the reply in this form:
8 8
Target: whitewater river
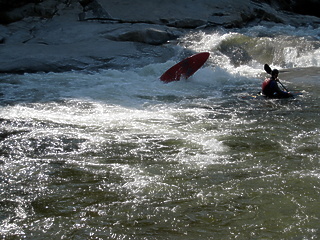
117 154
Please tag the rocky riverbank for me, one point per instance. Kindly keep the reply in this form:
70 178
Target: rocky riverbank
95 34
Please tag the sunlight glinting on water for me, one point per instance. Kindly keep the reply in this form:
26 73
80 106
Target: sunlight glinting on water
118 154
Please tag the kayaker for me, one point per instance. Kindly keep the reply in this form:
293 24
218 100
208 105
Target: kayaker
271 89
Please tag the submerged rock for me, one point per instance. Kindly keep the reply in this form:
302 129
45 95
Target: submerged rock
151 36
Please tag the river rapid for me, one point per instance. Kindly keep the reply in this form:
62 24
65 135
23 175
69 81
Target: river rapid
117 154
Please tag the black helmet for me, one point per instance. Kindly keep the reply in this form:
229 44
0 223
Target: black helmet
274 72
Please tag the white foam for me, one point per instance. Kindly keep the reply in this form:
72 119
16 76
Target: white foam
287 46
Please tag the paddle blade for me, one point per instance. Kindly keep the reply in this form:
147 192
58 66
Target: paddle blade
267 68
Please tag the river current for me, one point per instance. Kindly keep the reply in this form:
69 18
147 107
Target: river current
117 154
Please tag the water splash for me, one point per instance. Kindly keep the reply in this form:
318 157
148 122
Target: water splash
246 51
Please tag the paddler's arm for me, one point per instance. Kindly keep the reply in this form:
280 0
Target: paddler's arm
282 93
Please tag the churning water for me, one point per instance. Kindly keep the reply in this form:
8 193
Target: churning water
117 154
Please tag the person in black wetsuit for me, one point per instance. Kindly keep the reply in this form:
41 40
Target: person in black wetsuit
271 89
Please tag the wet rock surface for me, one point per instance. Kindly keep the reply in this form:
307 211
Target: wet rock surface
93 34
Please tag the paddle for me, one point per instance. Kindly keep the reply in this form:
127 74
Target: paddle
268 69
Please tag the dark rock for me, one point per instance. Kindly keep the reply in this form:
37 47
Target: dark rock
16 14
187 23
226 19
3 34
9 4
267 15
92 10
149 35
8 12
307 7
46 9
